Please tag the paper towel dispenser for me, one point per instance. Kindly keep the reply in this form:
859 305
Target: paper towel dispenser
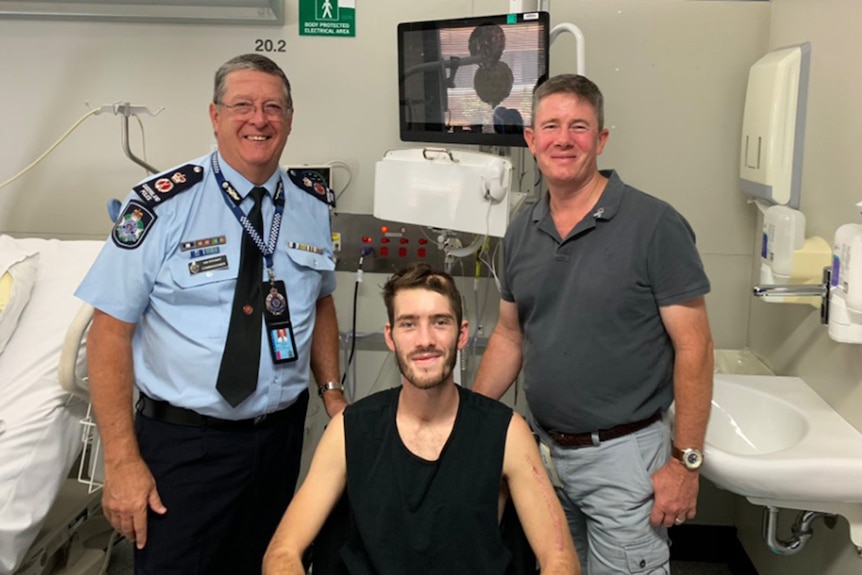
773 126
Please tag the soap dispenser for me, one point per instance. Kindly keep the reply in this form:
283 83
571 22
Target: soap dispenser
845 294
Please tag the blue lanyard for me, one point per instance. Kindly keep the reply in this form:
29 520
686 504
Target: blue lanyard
233 199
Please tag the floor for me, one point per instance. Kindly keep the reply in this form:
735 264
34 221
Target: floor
697 568
121 564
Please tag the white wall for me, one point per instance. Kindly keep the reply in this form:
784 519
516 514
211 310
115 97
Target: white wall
789 338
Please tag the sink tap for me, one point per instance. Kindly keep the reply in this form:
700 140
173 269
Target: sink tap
820 290
803 290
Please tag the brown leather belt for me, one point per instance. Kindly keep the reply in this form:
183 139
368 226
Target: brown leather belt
596 437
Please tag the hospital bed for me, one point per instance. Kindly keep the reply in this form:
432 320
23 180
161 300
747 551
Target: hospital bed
44 515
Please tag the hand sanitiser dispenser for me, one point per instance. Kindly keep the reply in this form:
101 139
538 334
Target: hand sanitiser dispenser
787 257
845 294
773 126
783 233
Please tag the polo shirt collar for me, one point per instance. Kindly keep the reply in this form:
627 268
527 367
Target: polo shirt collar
609 202
607 205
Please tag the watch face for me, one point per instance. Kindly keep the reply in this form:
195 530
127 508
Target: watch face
692 458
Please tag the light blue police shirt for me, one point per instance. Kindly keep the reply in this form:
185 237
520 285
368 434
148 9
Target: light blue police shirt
182 309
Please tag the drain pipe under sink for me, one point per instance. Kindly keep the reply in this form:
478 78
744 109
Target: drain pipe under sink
801 530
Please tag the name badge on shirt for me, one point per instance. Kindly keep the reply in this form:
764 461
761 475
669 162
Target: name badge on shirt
279 329
207 265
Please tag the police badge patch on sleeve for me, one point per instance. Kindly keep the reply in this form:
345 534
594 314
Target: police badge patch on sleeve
310 181
132 225
165 186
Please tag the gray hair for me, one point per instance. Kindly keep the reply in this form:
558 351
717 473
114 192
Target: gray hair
250 62
576 85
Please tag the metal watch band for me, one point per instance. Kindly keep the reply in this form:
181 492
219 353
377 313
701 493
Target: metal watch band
329 385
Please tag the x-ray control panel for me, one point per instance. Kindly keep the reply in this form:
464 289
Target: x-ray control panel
389 246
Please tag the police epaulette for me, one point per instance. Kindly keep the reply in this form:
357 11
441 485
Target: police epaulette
312 182
165 186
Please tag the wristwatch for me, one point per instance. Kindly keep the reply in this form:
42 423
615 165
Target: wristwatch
691 458
329 385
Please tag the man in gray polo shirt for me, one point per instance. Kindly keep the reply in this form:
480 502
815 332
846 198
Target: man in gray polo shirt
602 304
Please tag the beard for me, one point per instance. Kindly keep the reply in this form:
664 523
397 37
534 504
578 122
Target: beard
427 380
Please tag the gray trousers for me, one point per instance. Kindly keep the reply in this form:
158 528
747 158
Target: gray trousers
606 491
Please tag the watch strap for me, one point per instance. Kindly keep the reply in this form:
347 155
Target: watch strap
329 386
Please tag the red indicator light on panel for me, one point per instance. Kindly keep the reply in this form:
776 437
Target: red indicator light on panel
422 241
404 240
421 252
384 240
402 252
384 252
384 229
366 240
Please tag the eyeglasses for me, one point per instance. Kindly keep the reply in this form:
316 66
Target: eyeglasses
246 109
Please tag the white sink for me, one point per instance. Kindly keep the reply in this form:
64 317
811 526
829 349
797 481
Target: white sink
774 438
746 420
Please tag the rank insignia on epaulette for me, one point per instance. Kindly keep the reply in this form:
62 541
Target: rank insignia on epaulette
132 226
169 184
310 181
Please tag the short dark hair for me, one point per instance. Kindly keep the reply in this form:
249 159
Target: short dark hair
255 62
421 275
573 84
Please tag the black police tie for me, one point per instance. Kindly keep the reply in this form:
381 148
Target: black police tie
237 377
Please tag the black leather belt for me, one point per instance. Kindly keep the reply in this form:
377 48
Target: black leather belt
167 413
596 437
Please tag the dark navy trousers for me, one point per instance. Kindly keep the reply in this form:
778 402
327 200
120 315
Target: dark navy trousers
225 492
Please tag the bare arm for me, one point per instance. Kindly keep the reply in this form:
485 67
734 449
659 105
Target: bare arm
311 505
501 362
537 505
324 354
675 487
129 485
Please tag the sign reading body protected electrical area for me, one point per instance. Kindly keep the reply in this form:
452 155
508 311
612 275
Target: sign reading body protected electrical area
327 17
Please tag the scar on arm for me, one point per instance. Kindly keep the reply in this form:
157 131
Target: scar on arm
549 496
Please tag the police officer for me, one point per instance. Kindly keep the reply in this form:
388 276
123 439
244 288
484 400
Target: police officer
199 478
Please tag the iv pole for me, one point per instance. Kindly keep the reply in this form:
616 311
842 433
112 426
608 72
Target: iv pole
125 110
520 6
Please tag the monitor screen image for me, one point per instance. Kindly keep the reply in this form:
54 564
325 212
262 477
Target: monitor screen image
470 80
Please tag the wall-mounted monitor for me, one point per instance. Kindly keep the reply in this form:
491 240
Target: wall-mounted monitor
470 80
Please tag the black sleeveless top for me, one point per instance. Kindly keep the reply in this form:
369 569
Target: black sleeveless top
413 516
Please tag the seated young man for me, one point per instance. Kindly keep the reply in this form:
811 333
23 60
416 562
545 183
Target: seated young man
428 466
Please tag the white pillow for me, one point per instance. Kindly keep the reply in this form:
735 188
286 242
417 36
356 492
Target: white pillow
22 266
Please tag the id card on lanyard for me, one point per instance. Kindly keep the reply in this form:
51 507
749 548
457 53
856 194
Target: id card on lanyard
279 329
276 312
